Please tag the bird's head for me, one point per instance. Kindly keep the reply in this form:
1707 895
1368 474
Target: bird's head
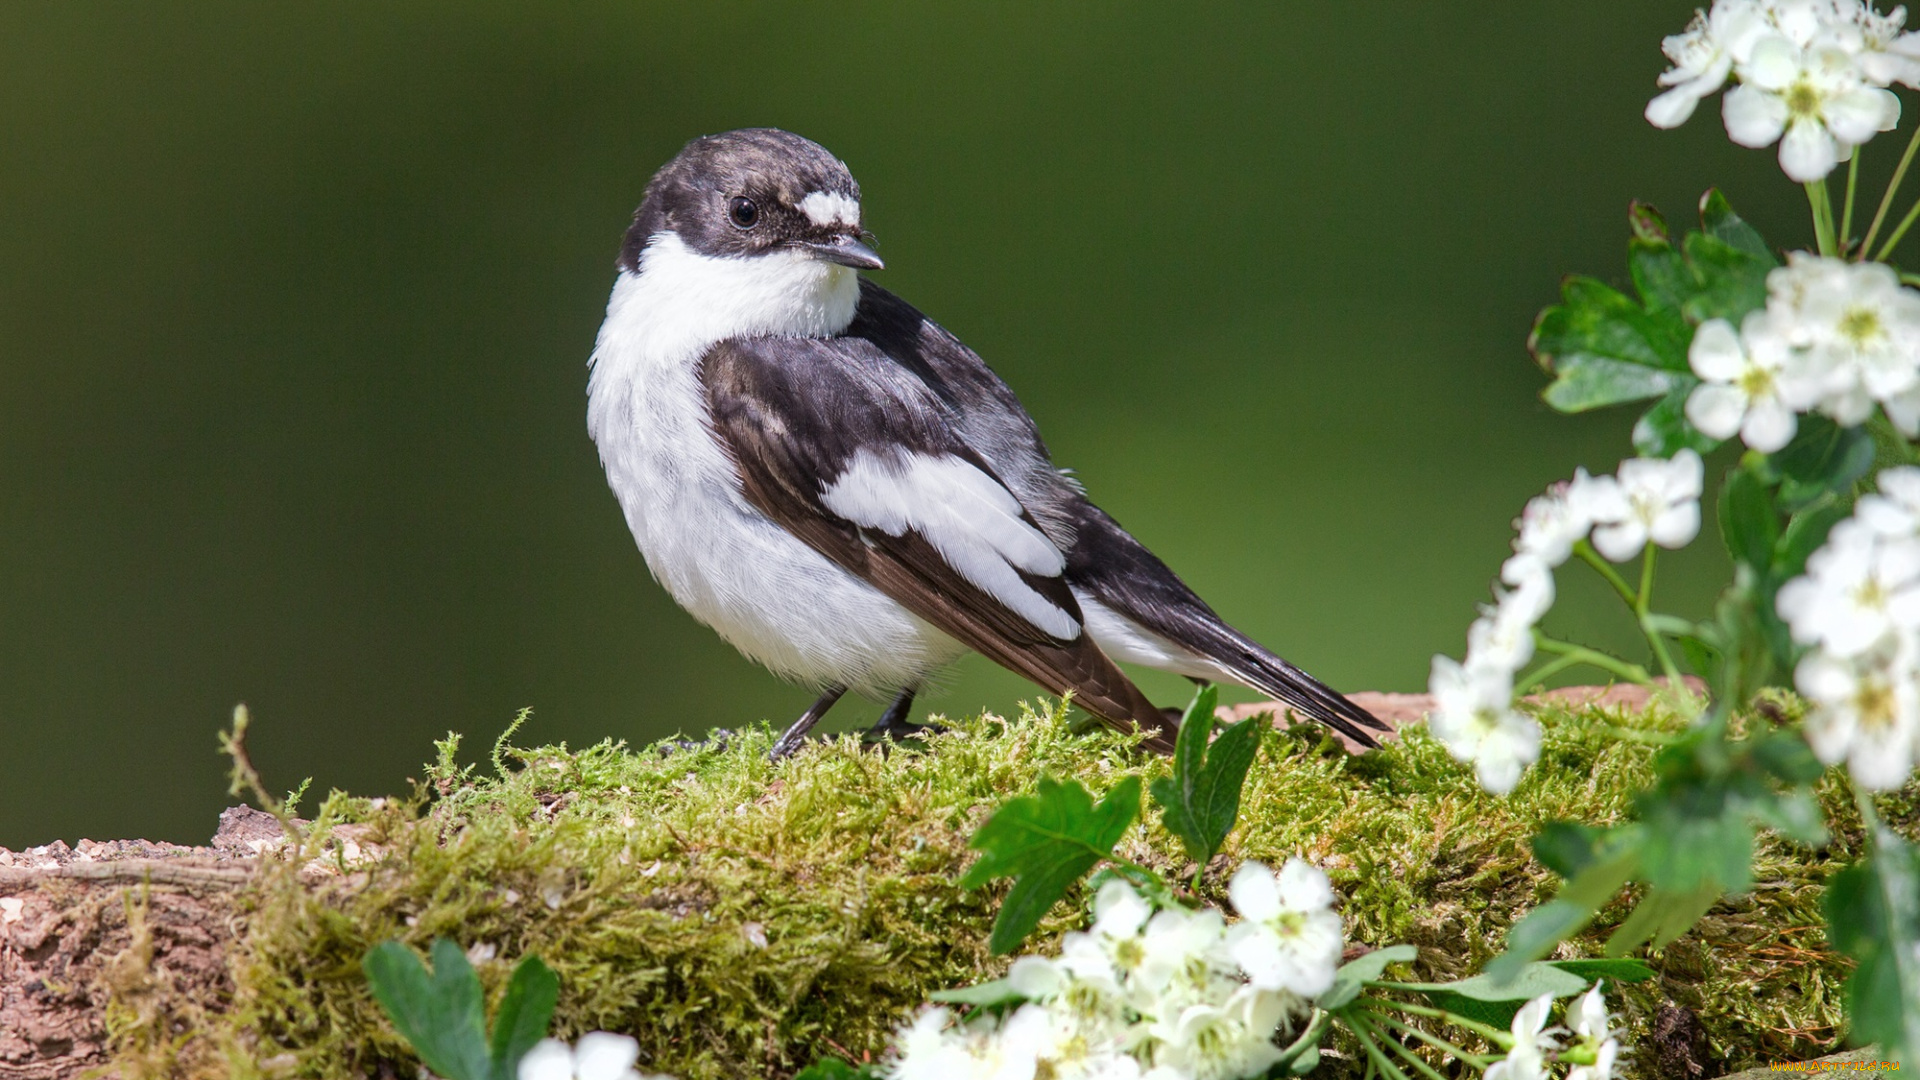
753 194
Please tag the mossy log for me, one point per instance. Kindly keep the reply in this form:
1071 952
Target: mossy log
742 917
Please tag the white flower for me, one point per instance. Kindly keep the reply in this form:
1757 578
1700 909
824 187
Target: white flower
597 1056
1550 525
1222 1042
931 1049
1852 328
1703 56
1291 939
1528 1058
1503 635
1858 587
1589 1015
1812 98
1651 499
1742 388
1474 717
1118 911
1885 54
1866 711
1183 958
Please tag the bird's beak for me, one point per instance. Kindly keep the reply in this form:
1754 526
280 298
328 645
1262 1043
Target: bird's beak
847 251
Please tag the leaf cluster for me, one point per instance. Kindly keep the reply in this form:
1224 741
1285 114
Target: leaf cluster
442 1013
1603 347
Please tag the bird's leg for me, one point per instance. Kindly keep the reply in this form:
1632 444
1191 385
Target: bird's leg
895 720
895 724
797 734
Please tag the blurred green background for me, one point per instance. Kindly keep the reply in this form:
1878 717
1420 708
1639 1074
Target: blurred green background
295 305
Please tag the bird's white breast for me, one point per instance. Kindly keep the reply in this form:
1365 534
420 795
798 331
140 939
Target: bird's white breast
769 594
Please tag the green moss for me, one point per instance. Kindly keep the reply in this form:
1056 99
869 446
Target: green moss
742 917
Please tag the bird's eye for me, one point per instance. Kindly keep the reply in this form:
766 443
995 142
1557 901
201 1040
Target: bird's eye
742 212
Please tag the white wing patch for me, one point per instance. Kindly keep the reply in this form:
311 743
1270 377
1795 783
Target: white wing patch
966 515
831 208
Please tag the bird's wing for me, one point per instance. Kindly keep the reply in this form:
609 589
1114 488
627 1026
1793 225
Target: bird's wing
1102 557
854 454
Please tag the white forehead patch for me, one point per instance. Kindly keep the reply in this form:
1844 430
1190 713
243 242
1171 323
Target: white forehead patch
831 208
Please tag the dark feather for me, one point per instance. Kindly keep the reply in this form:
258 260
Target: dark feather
1102 558
792 411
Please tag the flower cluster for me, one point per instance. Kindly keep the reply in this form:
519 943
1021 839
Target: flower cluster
1595 1045
1474 715
1812 74
598 1055
1172 994
1835 336
1858 605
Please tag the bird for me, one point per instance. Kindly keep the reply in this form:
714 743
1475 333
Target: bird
848 494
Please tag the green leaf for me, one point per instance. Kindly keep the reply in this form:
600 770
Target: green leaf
984 995
1786 756
1721 223
1696 836
441 1015
1615 860
1046 842
1586 381
1566 847
1823 459
1615 969
1873 915
1494 1001
1201 800
1605 348
1355 973
1749 524
525 1011
1663 915
1730 281
1664 430
833 1068
1804 534
1537 933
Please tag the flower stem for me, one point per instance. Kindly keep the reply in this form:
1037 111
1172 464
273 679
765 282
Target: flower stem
1400 1048
1822 207
1430 1039
1592 558
1642 611
1376 1055
1309 1038
1548 670
1501 1039
1846 215
1869 818
1633 673
1886 200
1899 233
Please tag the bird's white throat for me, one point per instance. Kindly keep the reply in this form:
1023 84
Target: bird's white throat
680 302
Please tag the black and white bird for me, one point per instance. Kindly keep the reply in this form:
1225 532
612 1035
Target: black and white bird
847 493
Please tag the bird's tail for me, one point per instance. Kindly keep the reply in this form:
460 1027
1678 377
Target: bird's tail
1306 695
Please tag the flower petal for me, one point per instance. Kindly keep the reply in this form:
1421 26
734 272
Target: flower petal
1717 409
601 1055
1753 117
1770 425
1808 152
1716 352
1254 891
1673 108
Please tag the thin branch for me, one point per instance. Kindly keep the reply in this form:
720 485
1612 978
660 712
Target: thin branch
1592 558
1886 199
1846 215
1633 673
